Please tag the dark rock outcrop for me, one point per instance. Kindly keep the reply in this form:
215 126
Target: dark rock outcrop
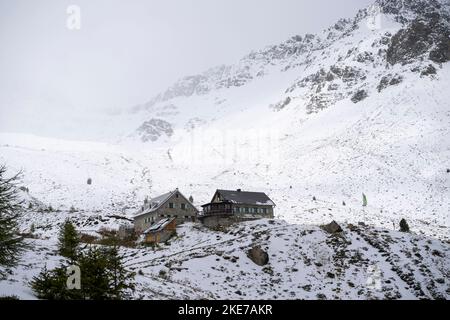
428 71
389 80
360 95
153 129
422 38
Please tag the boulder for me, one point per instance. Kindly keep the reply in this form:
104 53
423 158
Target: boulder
332 227
258 256
404 227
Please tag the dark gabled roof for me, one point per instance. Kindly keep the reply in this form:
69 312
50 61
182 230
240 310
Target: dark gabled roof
155 203
245 197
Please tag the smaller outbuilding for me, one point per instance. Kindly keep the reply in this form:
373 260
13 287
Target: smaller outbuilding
161 231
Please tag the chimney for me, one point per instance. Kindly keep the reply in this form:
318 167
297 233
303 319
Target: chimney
239 190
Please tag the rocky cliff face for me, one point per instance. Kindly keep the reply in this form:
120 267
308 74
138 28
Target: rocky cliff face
349 60
427 38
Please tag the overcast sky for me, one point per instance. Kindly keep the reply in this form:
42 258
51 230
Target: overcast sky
126 51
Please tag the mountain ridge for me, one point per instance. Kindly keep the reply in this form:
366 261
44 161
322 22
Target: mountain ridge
224 76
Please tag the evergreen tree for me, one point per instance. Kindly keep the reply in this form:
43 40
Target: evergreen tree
103 277
68 241
404 227
120 278
11 244
52 285
94 274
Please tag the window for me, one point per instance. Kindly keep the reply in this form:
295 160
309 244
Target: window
186 217
176 196
171 205
183 206
246 210
265 210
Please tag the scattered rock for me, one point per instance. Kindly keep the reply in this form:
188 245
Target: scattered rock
258 256
321 296
307 288
428 71
281 105
332 227
437 253
365 57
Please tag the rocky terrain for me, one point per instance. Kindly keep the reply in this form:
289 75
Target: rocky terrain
271 259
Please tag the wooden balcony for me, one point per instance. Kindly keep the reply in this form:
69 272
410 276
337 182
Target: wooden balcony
222 208
217 212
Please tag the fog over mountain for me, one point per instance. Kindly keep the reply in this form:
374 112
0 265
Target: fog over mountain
125 53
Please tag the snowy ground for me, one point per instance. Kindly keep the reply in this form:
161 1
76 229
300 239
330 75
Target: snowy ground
255 126
305 262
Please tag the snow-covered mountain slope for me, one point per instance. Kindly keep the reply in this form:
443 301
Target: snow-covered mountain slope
305 262
355 56
362 107
57 172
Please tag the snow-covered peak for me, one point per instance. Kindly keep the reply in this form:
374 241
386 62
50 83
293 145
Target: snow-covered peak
297 49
